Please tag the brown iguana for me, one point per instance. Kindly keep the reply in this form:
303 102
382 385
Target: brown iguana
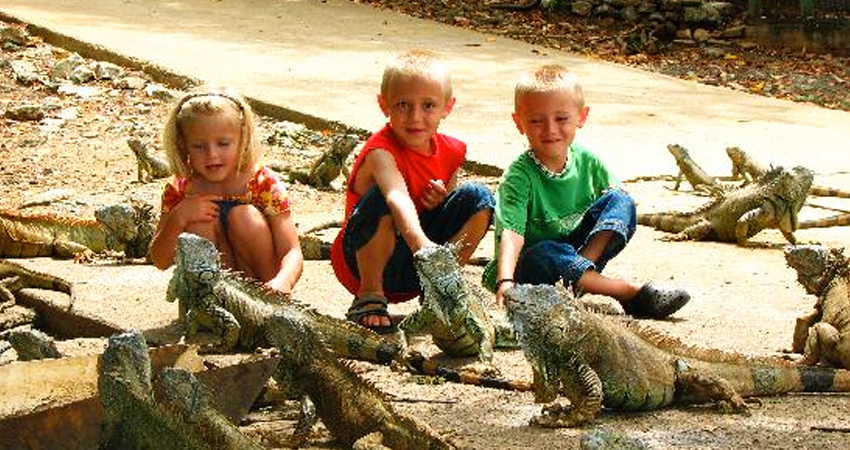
823 335
237 309
30 344
115 227
355 412
744 166
133 419
329 165
596 361
691 171
837 220
454 317
148 166
14 277
773 201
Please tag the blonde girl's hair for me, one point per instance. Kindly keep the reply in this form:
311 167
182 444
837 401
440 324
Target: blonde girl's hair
206 102
549 78
416 63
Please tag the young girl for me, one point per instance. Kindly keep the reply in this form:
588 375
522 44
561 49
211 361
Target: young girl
220 192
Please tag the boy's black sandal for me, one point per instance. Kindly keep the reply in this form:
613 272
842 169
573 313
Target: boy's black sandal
656 302
370 305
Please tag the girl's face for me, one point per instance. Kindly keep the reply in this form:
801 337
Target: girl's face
212 144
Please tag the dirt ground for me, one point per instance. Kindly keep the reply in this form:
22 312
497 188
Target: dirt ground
744 298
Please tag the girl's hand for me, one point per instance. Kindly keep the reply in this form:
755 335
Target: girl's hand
434 194
198 208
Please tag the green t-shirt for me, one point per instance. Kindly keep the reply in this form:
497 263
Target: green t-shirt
540 207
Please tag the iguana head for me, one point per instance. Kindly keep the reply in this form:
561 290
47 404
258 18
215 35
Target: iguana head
129 228
440 276
792 188
197 259
816 265
183 390
125 362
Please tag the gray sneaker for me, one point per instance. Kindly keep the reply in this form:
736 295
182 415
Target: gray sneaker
656 302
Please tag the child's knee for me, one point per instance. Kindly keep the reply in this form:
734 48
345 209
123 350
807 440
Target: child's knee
246 221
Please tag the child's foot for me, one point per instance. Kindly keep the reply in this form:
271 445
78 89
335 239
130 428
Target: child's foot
656 302
370 311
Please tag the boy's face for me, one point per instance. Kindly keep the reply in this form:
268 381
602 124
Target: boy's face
415 107
549 120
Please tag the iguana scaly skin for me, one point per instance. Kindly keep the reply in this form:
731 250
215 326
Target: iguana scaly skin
14 277
238 309
329 165
823 335
189 399
355 412
744 166
773 201
116 227
691 171
148 166
456 319
594 361
132 419
31 344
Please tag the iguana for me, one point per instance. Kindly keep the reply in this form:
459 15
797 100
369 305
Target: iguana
771 202
329 165
132 419
837 220
455 318
31 344
691 171
115 227
823 335
14 277
596 361
148 166
237 309
355 412
189 399
744 166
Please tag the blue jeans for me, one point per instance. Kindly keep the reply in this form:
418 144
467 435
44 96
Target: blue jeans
546 262
440 224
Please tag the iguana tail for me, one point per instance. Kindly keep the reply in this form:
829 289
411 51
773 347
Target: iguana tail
33 279
838 220
429 367
825 191
671 222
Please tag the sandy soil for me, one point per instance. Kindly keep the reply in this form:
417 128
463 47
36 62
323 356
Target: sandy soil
744 298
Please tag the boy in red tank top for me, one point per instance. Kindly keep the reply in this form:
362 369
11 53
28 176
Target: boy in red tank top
403 193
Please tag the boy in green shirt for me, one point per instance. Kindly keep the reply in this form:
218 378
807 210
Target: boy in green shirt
560 214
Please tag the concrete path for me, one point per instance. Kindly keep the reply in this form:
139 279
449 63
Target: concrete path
324 59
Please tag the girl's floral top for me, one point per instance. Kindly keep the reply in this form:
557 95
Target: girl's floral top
265 191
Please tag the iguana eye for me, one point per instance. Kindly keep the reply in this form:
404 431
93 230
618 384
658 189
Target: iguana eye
206 275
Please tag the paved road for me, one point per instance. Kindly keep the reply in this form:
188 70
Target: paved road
324 58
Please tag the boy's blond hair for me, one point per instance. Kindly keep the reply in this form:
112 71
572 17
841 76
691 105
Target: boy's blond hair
549 78
417 63
207 102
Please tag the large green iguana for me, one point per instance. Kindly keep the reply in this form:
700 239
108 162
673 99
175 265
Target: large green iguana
132 419
148 166
455 318
237 309
596 362
773 201
355 412
691 171
823 335
116 227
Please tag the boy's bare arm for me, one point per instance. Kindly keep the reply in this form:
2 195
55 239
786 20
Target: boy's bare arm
285 238
380 165
509 248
